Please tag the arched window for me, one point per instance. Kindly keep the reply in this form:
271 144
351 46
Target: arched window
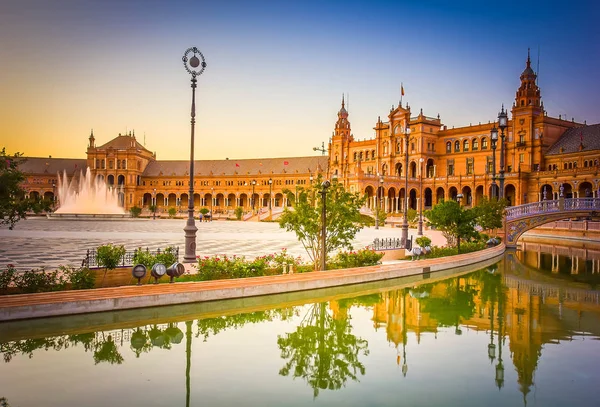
384 169
466 145
448 147
367 155
398 147
565 166
475 144
575 164
484 143
372 154
355 155
457 146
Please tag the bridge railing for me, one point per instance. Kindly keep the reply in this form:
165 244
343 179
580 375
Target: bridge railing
534 208
557 205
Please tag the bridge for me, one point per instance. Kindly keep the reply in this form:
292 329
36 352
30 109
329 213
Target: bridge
520 219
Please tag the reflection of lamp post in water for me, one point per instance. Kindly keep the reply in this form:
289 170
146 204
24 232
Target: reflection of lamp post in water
404 334
188 360
491 346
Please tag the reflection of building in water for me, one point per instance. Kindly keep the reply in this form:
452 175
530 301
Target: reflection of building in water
525 312
560 258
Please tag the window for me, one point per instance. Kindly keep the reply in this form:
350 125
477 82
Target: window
398 147
484 143
457 146
470 166
372 154
466 145
475 144
448 147
118 164
110 165
522 157
367 155
450 167
412 147
355 156
489 168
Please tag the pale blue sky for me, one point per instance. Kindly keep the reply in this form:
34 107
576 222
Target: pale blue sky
277 70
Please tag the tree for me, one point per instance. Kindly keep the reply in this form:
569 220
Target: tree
489 213
453 221
343 218
13 204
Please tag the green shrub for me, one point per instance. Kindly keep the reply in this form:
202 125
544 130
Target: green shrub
204 211
239 211
38 280
6 277
80 279
360 258
412 216
172 212
110 256
167 257
423 241
148 259
135 211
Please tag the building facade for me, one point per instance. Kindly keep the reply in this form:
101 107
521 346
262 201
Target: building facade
412 160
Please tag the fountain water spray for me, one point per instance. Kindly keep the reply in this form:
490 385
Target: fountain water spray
86 195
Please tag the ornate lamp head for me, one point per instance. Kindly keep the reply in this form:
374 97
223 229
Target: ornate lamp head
196 64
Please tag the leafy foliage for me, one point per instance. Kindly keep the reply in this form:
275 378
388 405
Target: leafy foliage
80 279
135 211
423 241
323 351
343 218
149 259
239 211
222 267
360 258
39 280
489 213
109 256
13 204
172 212
453 221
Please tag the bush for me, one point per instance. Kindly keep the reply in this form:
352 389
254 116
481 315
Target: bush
423 241
6 277
135 211
148 259
110 256
172 212
80 279
239 211
361 258
38 280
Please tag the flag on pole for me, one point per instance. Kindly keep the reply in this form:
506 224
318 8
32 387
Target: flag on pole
237 165
285 162
401 89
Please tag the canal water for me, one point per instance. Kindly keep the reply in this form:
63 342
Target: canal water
513 333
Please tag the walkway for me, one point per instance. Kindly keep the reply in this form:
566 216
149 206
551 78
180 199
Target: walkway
37 242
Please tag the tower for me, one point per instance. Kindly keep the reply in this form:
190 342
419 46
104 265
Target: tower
340 143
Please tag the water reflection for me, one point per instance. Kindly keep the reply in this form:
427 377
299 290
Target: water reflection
327 345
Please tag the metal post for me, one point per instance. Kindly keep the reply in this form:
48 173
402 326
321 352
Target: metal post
270 196
326 184
502 124
194 66
154 204
252 199
494 137
212 203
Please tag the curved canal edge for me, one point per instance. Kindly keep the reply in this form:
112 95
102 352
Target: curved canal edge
26 306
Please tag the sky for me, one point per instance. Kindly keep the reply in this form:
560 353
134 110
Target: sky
276 70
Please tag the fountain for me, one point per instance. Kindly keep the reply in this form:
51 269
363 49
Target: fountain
84 196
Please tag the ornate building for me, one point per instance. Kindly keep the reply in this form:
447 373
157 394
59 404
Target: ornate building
540 154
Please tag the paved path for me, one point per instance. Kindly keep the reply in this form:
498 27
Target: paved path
37 242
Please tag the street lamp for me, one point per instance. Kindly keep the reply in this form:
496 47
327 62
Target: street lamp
194 66
380 187
459 197
404 237
502 124
270 196
252 199
420 224
212 203
494 137
326 184
154 204
53 196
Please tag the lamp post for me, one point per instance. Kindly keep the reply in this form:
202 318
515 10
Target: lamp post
252 199
212 203
404 237
379 188
326 184
154 204
494 137
420 224
194 66
270 196
311 178
502 124
459 198
53 196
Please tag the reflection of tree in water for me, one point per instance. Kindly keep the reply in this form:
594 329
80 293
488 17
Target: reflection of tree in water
106 351
322 350
457 303
212 326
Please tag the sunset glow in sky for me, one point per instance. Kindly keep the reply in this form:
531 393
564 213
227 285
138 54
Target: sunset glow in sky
277 69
